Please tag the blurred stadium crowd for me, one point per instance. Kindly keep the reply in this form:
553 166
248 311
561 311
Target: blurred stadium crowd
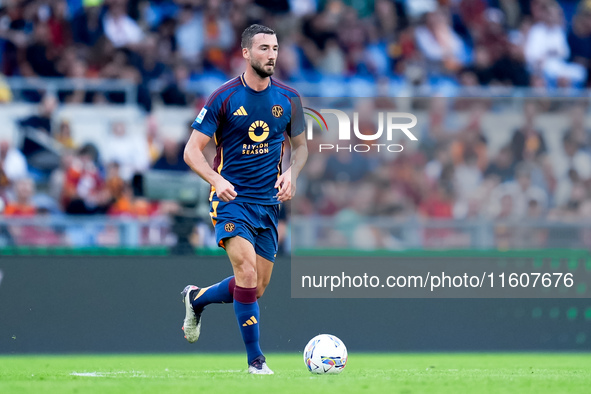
481 164
164 46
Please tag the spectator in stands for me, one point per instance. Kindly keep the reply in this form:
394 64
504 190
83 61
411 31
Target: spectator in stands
578 131
442 159
5 92
492 35
472 14
442 128
189 35
579 36
129 151
38 146
570 191
467 176
385 20
119 28
120 66
13 165
521 191
345 166
547 51
129 205
22 205
361 54
16 26
115 185
512 11
167 47
41 57
87 25
42 121
76 68
317 31
574 158
511 69
64 135
481 67
503 166
527 142
471 141
175 92
152 68
59 25
153 139
440 45
171 158
84 190
218 35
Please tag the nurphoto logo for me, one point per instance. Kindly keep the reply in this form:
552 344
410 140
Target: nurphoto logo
392 122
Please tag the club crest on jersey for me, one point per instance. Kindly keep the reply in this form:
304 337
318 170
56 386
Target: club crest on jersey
277 111
229 227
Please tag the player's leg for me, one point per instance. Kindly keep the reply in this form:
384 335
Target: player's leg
219 293
264 271
266 246
196 299
223 218
246 308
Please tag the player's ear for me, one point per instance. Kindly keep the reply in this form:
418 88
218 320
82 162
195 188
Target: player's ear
245 53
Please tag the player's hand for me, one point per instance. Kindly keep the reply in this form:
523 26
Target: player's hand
224 190
286 188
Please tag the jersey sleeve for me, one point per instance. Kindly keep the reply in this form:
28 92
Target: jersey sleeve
296 123
208 120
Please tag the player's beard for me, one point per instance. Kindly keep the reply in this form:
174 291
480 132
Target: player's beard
260 70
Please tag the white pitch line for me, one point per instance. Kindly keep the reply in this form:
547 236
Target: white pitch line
95 374
133 374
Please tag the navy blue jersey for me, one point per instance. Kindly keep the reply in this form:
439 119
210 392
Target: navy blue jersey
248 128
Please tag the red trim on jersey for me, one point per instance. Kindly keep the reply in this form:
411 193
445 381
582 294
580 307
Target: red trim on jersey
225 102
218 158
281 85
228 85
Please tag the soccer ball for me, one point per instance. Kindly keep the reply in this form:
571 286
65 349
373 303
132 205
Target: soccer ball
325 354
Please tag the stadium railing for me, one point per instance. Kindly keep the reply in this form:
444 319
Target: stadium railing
309 233
54 86
338 86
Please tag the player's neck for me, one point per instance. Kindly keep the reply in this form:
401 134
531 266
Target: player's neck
254 81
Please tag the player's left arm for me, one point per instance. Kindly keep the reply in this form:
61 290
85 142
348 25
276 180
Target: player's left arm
287 181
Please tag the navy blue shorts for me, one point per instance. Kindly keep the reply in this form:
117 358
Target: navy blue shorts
254 222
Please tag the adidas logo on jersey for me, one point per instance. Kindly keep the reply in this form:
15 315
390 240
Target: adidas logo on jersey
240 112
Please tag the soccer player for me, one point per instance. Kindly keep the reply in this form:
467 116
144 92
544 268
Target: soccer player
247 117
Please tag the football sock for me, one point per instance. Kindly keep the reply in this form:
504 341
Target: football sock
246 309
222 292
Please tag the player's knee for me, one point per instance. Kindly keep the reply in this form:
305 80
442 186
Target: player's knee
246 275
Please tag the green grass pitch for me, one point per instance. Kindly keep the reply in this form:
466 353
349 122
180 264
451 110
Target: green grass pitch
365 373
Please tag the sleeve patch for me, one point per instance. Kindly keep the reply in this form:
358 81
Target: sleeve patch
201 115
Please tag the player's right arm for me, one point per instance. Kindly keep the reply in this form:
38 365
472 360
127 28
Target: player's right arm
196 161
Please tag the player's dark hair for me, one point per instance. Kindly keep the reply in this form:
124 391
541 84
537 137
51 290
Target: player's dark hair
252 31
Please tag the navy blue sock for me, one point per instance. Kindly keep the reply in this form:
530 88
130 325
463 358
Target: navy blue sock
246 309
222 292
